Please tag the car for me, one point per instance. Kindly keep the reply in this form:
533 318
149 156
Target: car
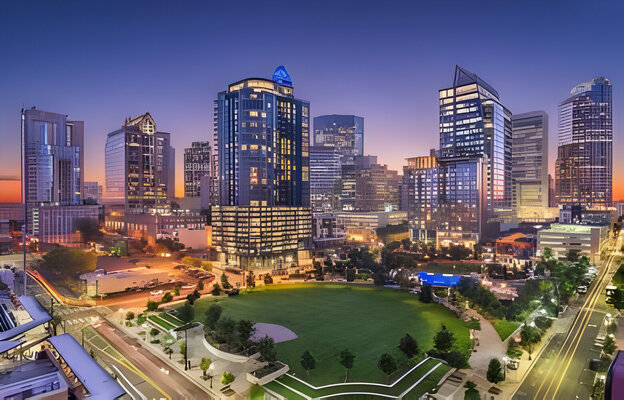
592 270
513 365
581 289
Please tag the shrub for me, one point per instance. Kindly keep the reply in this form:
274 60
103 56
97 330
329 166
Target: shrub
154 332
152 305
227 378
129 316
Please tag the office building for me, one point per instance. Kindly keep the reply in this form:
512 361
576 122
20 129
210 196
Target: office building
474 122
420 183
92 192
363 227
197 160
376 186
262 136
325 173
584 167
530 165
344 133
589 240
139 165
62 224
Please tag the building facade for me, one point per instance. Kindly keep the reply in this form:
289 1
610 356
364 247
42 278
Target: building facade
530 165
420 183
197 160
584 167
376 186
561 238
262 143
325 173
93 192
139 166
344 133
473 122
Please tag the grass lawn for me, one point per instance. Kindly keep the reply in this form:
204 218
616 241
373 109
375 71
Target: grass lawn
171 319
505 328
330 317
161 322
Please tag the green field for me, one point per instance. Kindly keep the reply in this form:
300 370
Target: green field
505 328
330 317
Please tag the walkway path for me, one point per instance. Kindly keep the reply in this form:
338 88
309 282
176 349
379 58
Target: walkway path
490 346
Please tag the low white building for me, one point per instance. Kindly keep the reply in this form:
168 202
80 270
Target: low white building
561 238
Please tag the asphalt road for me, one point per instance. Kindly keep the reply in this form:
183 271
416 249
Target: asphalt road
562 372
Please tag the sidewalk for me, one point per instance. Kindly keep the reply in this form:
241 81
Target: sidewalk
515 378
490 346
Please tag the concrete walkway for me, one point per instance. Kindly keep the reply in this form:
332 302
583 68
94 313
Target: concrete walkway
490 346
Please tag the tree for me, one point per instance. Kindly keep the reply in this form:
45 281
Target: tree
151 305
216 290
227 378
609 345
68 262
251 281
192 261
530 336
169 245
459 252
154 332
245 329
615 297
444 340
407 244
408 345
205 364
225 330
186 313
573 255
176 290
212 315
318 271
471 392
224 281
346 360
266 348
268 279
329 264
387 364
495 371
307 361
182 347
129 316
167 297
426 294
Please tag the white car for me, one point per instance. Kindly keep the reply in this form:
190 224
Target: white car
581 289
592 270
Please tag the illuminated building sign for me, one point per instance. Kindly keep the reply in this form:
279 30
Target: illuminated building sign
281 76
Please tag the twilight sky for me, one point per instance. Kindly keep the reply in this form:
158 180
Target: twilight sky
101 61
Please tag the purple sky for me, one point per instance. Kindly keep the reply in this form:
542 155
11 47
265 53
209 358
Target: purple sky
101 61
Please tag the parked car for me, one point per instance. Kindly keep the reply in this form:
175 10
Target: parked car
513 364
581 289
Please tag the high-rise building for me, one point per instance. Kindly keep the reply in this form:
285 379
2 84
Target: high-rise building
420 182
584 167
473 122
261 139
345 133
376 186
197 162
53 183
139 165
92 192
325 173
530 165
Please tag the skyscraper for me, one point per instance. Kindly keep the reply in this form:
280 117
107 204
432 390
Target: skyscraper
344 133
473 122
263 218
139 166
530 165
93 192
54 176
325 172
420 182
584 167
197 162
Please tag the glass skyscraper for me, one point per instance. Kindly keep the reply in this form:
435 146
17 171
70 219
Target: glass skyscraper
530 165
473 122
420 182
325 172
344 133
197 160
584 167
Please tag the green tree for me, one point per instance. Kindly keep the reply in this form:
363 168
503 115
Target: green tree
318 271
68 262
426 294
151 305
225 330
329 264
186 313
251 281
408 345
387 364
346 360
266 348
245 329
176 290
129 316
530 336
615 297
227 378
609 345
268 279
205 364
444 340
192 261
471 392
154 332
307 361
216 290
212 315
224 281
495 371
167 297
